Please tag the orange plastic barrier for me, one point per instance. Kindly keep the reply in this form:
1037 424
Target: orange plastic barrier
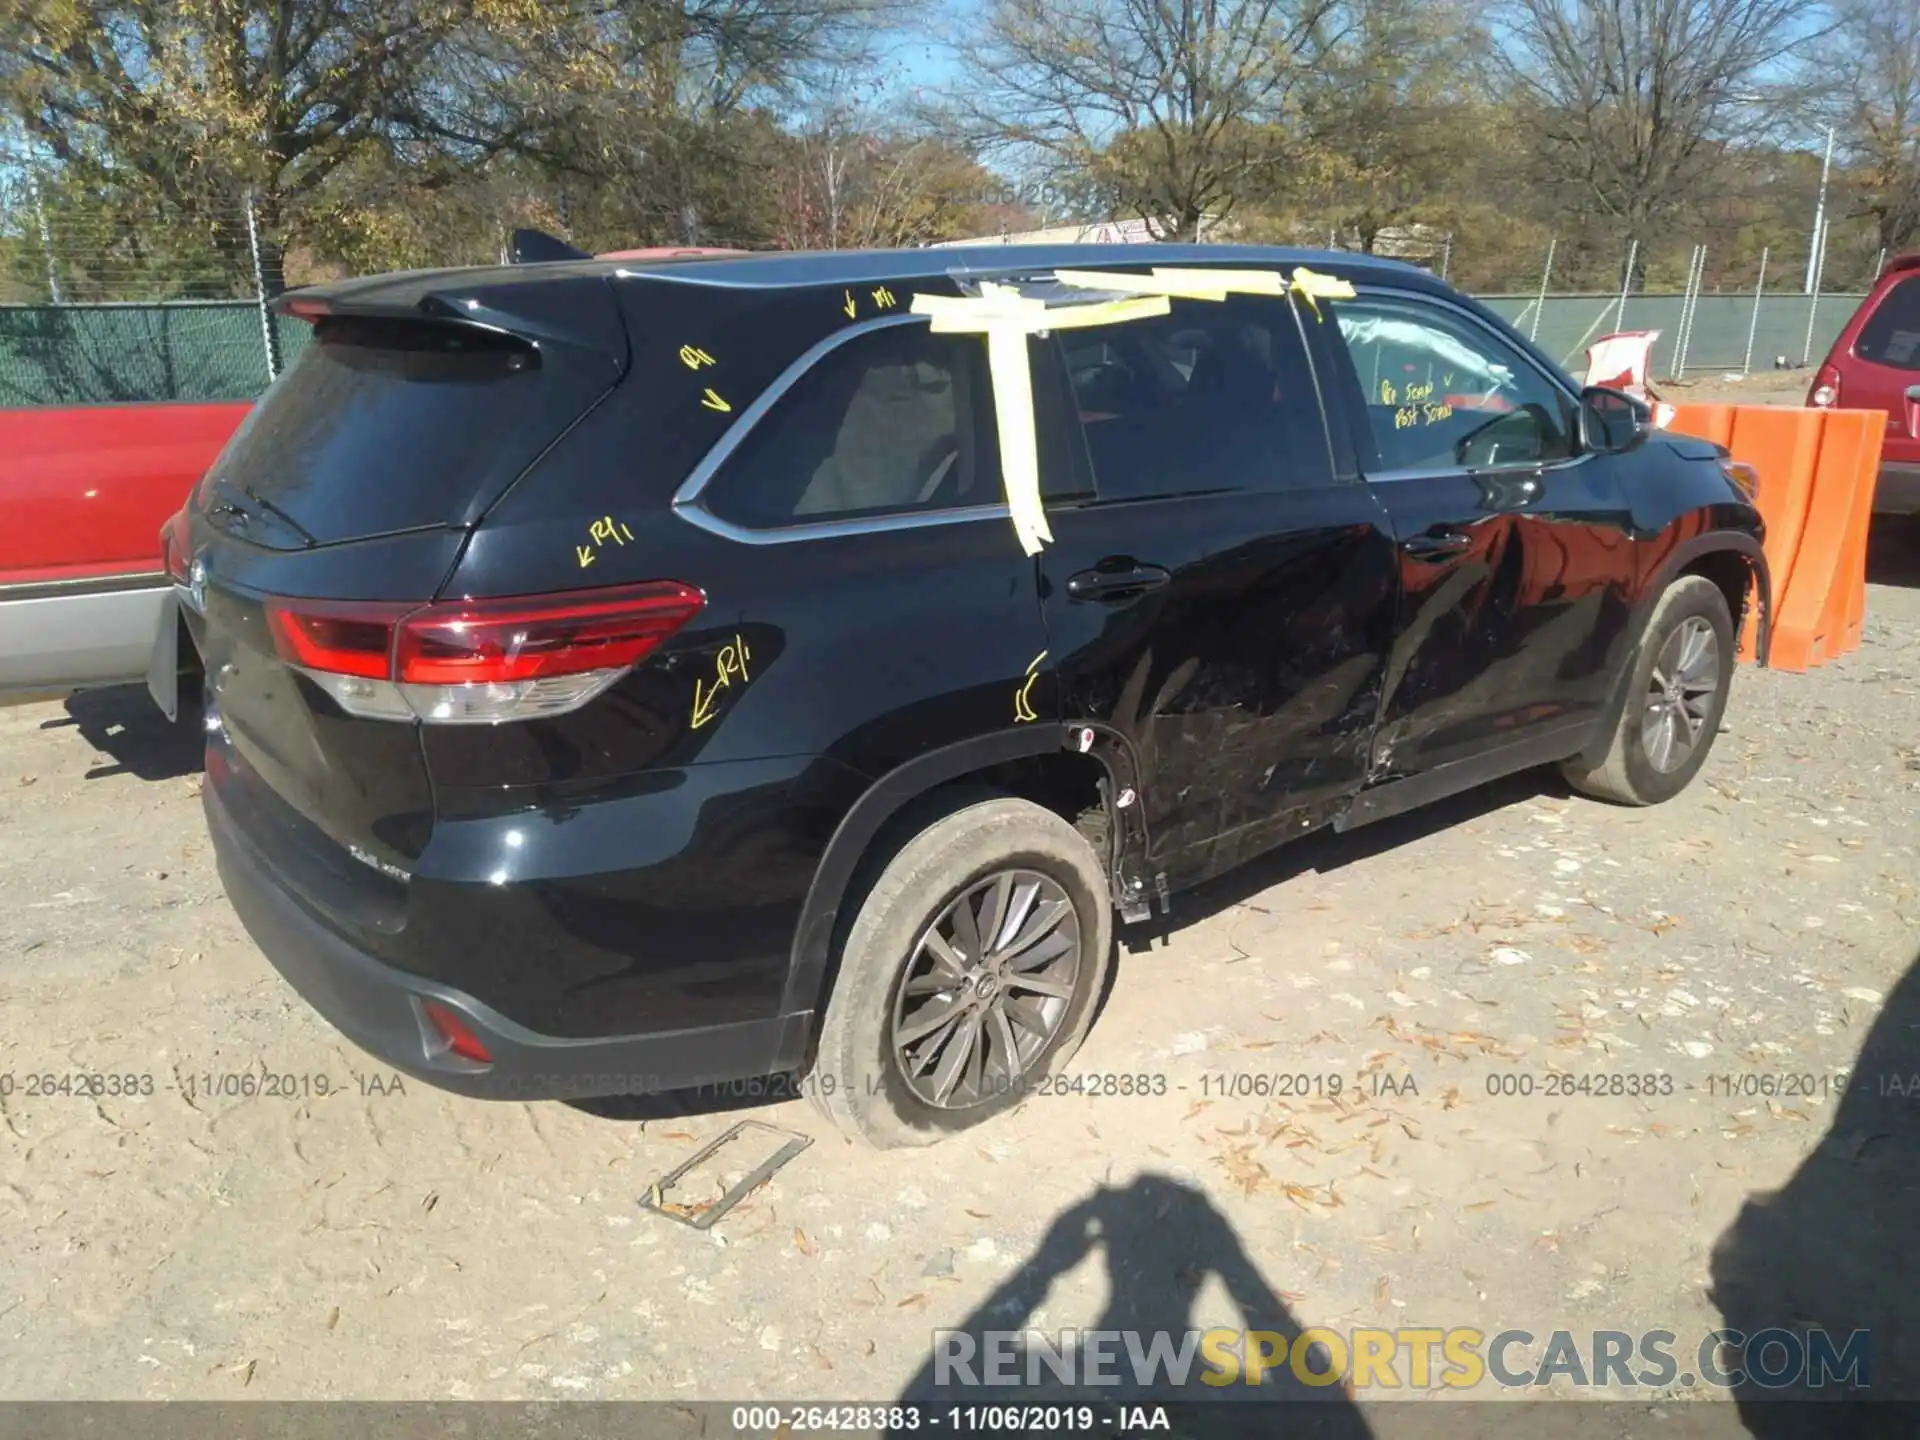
1817 471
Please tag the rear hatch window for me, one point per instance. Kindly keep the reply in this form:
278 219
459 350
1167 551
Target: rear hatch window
384 425
1891 335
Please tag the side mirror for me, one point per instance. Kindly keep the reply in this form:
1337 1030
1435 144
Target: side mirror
1611 420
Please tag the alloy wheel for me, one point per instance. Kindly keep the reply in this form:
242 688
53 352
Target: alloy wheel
987 989
1680 692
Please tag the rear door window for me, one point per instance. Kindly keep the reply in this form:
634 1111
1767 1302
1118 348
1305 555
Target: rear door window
1213 396
1891 335
895 421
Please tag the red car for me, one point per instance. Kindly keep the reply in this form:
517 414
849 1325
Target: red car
1875 365
85 490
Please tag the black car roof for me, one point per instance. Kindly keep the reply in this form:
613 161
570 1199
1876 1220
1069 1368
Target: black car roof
839 267
779 269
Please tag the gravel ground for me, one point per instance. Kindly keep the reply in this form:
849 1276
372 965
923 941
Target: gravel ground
1445 971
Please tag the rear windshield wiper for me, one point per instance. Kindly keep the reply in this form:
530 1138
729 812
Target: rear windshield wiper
227 489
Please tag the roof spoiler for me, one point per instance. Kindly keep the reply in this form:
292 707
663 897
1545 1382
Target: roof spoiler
530 247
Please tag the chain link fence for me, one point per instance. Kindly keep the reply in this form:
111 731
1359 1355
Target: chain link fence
105 299
104 303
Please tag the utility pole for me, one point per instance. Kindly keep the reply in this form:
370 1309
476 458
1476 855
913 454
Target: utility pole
46 240
1817 243
269 334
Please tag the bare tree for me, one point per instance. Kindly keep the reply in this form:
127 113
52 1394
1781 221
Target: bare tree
1876 49
851 182
1635 103
1172 110
1395 115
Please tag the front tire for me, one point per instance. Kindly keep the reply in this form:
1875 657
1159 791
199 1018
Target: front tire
971 971
1676 697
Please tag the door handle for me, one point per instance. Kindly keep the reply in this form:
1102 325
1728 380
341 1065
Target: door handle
1432 546
1913 392
1123 582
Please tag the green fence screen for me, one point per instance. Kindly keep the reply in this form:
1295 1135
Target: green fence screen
215 350
180 350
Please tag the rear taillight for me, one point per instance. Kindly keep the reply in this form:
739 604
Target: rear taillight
1826 388
478 662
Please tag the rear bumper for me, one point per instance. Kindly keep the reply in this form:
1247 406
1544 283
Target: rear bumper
1898 489
378 1007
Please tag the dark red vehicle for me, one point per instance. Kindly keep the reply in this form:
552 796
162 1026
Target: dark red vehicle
1875 365
85 490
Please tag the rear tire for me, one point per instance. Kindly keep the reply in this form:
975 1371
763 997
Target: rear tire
911 1009
1676 697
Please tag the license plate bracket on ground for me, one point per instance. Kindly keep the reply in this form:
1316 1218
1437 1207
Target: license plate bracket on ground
163 668
703 1218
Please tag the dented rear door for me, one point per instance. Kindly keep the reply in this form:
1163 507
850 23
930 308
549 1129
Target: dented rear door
1220 594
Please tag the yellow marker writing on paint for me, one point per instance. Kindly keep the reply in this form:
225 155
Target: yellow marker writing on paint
714 402
731 661
883 297
607 528
693 358
585 552
848 306
1023 710
1006 318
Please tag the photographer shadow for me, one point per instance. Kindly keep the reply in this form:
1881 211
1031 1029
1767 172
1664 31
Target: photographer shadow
1161 1241
1834 1250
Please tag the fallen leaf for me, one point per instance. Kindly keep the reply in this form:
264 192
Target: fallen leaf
801 1243
869 1349
246 1375
1483 1204
680 1135
915 1301
1242 1169
981 1214
333 1317
433 1199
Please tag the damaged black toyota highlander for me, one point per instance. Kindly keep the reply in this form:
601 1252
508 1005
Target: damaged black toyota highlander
631 675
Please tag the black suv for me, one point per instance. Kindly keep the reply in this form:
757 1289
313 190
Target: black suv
624 676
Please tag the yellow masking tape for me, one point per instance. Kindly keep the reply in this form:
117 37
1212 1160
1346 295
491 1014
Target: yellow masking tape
1105 312
1006 318
1184 283
1180 285
1313 287
1019 445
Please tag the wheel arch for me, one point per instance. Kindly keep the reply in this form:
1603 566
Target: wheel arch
1732 560
1055 765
